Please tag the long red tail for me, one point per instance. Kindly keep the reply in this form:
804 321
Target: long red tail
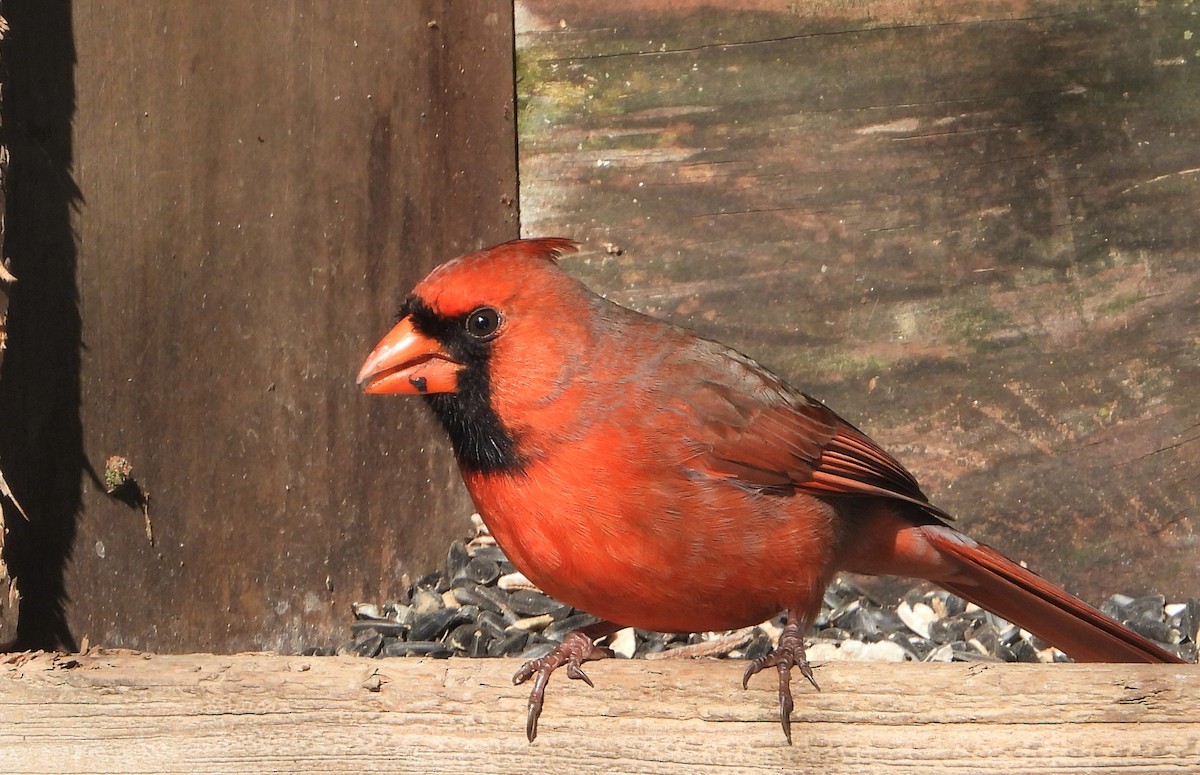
1019 595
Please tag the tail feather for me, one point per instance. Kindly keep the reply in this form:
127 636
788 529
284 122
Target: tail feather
989 579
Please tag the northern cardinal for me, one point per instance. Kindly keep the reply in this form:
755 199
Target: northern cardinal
659 480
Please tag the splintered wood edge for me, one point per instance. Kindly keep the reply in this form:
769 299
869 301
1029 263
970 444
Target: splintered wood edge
124 712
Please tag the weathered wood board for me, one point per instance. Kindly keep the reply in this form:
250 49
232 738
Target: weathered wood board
970 227
257 713
216 210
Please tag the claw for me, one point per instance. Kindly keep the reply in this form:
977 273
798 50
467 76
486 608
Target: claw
788 654
576 672
577 647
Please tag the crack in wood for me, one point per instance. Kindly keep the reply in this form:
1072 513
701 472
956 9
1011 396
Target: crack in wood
806 36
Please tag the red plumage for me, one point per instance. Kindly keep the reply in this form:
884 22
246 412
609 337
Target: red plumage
660 480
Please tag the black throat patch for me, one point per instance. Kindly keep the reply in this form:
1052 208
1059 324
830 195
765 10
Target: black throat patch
481 442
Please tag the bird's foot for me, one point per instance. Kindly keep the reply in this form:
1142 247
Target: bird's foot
788 654
576 648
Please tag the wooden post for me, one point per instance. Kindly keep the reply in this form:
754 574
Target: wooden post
215 211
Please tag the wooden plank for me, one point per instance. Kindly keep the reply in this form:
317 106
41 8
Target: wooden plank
254 187
969 227
258 713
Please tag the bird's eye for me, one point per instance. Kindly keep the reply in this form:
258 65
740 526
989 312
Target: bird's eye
483 323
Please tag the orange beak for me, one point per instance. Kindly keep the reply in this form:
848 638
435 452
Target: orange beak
408 362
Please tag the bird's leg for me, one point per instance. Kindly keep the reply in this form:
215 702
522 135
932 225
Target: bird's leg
576 648
788 654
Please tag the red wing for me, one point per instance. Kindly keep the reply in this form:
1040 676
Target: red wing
754 429
852 463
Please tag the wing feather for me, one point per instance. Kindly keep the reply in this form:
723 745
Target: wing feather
752 428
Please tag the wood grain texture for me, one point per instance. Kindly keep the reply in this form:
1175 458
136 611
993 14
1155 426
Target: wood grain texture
220 209
258 713
969 227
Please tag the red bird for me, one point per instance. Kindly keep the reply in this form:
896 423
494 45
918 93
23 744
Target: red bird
659 480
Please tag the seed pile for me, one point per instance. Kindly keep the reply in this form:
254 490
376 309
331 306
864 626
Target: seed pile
480 606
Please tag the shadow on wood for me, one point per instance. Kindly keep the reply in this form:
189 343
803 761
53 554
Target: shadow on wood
41 431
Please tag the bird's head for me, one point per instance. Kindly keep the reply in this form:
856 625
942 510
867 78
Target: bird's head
482 337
